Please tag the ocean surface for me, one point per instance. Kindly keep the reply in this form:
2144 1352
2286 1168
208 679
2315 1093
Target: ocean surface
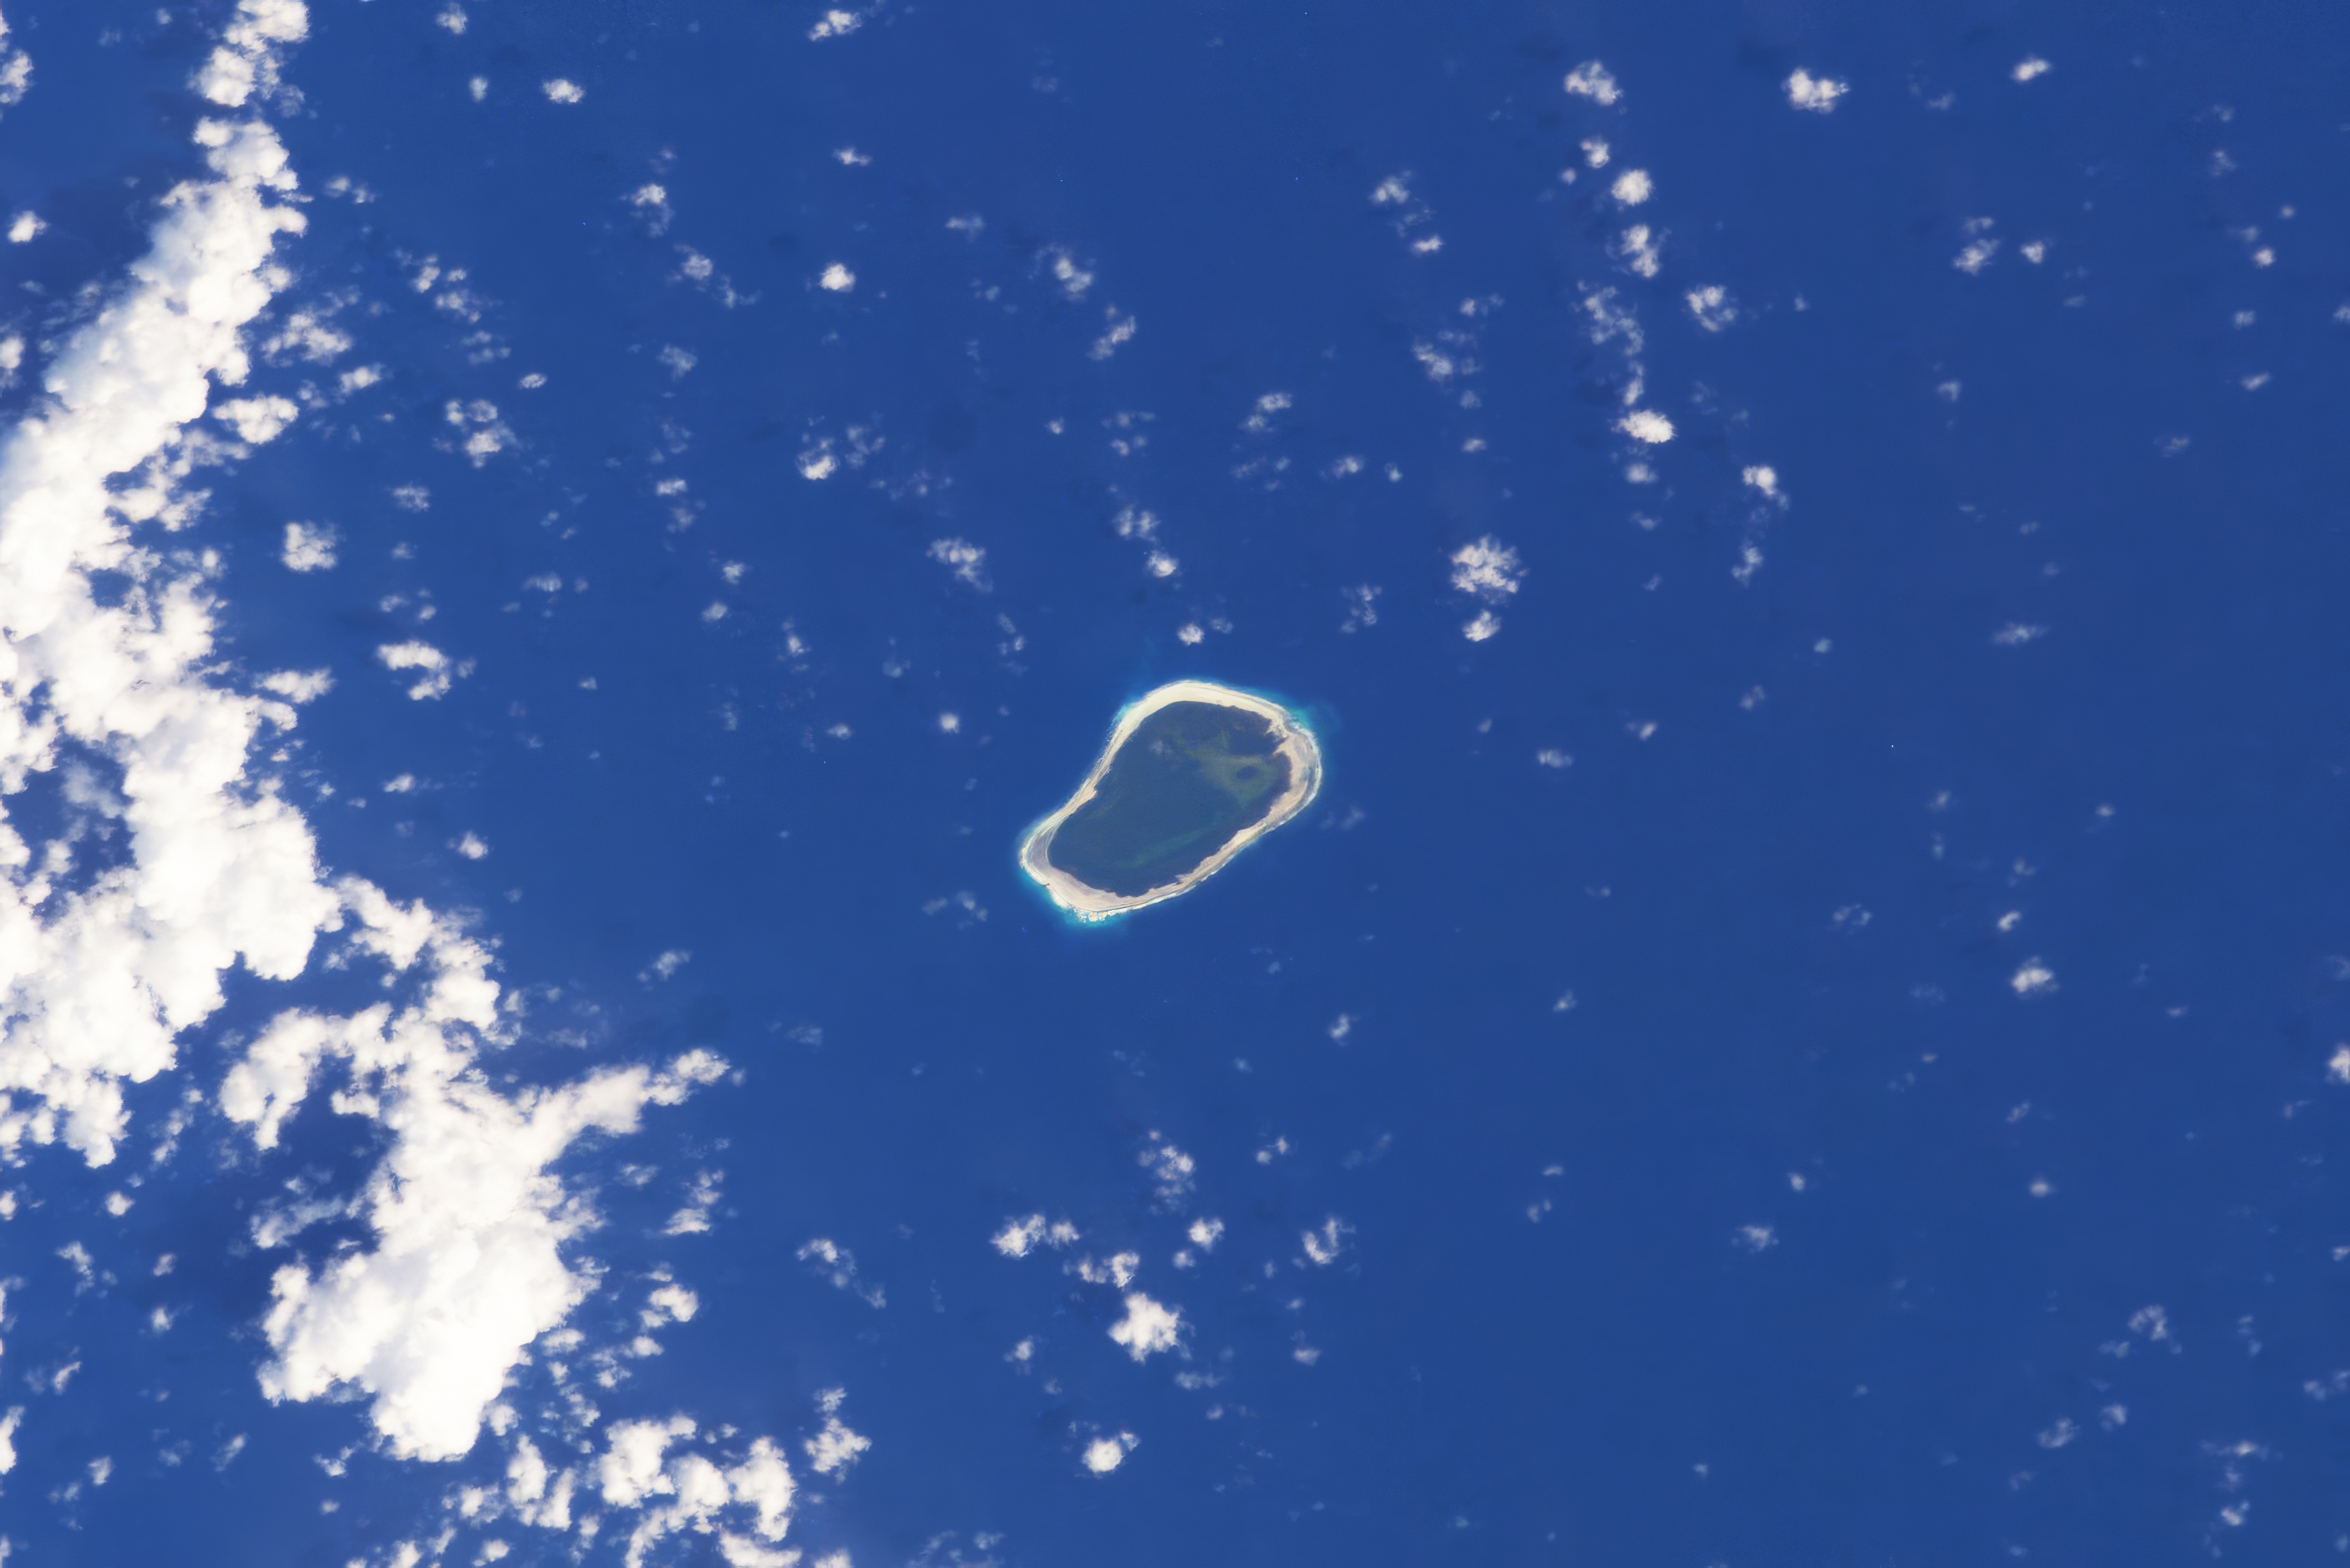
1805 1026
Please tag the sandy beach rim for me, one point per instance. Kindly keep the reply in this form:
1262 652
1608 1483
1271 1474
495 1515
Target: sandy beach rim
1295 744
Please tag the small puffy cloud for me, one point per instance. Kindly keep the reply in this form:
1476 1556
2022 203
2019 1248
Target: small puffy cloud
256 419
1205 1234
308 547
2033 978
1633 187
2028 68
965 559
1486 625
836 1265
1641 249
436 669
1147 1327
1647 425
677 360
837 278
2337 1067
299 685
1323 1246
1591 79
1121 330
836 1447
1711 306
1104 1454
835 25
1019 1237
1817 94
561 89
1764 478
25 228
1488 569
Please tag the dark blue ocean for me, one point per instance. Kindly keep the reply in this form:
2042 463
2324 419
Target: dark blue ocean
1802 1025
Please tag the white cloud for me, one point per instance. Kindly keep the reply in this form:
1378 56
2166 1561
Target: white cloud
1633 187
677 360
256 419
834 1449
25 228
836 1265
2028 68
837 278
965 559
15 80
559 89
1121 330
1488 569
2337 1067
668 1302
1641 249
1118 1269
1590 79
1818 94
437 669
8 1425
1205 1234
299 685
1712 306
469 1226
693 1493
1646 425
1486 625
1324 1246
1104 1454
308 547
1148 1327
1019 1236
2033 978
98 980
836 24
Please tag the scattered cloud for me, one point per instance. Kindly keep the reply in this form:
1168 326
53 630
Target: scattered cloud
966 560
1817 94
1711 306
436 671
561 89
1591 79
837 1266
1148 1327
1104 1454
308 547
1487 569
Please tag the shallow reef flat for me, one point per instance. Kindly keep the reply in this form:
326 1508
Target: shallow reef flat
1194 773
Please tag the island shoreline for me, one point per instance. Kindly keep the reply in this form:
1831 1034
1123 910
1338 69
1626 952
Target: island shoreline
1092 905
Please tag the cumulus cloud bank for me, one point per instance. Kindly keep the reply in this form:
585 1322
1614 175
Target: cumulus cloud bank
123 698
